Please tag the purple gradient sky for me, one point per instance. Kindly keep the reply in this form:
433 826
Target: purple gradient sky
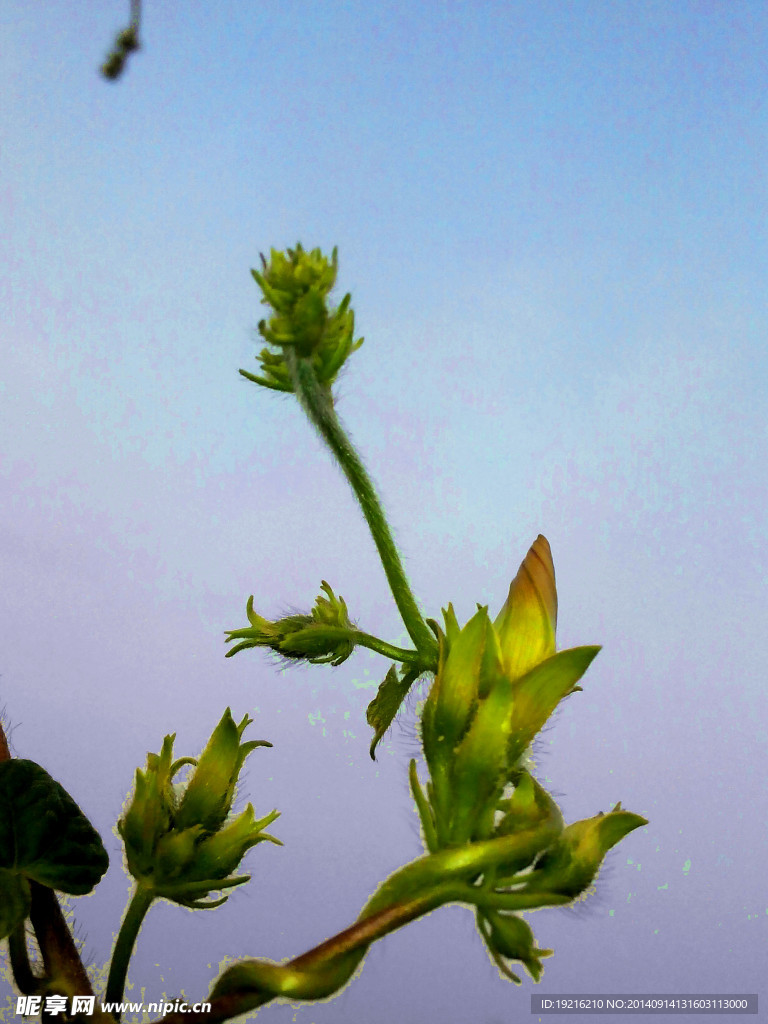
551 218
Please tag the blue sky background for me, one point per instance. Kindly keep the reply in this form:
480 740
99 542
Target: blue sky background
551 217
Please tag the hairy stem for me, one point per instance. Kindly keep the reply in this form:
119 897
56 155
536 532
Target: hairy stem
26 981
60 957
318 405
126 939
382 647
416 889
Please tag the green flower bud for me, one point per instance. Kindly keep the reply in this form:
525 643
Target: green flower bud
177 845
209 793
529 805
464 668
324 636
219 854
509 937
453 697
479 769
496 685
571 864
152 810
296 285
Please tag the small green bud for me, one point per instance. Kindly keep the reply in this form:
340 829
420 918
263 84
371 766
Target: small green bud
219 854
324 636
572 862
509 937
126 43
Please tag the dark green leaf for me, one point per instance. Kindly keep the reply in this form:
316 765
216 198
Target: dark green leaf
43 833
385 705
14 901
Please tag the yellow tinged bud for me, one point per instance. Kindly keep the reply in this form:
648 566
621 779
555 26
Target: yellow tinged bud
526 624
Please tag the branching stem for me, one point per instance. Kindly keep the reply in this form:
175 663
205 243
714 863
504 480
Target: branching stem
318 405
422 886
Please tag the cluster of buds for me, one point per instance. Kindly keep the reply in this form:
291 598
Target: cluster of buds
296 284
324 636
178 844
496 685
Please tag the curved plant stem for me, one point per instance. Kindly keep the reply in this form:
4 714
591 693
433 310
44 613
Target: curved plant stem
5 754
26 981
382 647
317 403
316 974
61 959
129 929
416 889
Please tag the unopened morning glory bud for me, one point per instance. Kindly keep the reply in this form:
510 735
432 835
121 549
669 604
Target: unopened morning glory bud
496 685
527 623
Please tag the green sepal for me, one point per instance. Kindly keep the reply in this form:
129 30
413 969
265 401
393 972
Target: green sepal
479 769
529 805
273 385
382 710
509 937
452 699
426 812
538 692
44 835
570 865
189 894
219 854
210 791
